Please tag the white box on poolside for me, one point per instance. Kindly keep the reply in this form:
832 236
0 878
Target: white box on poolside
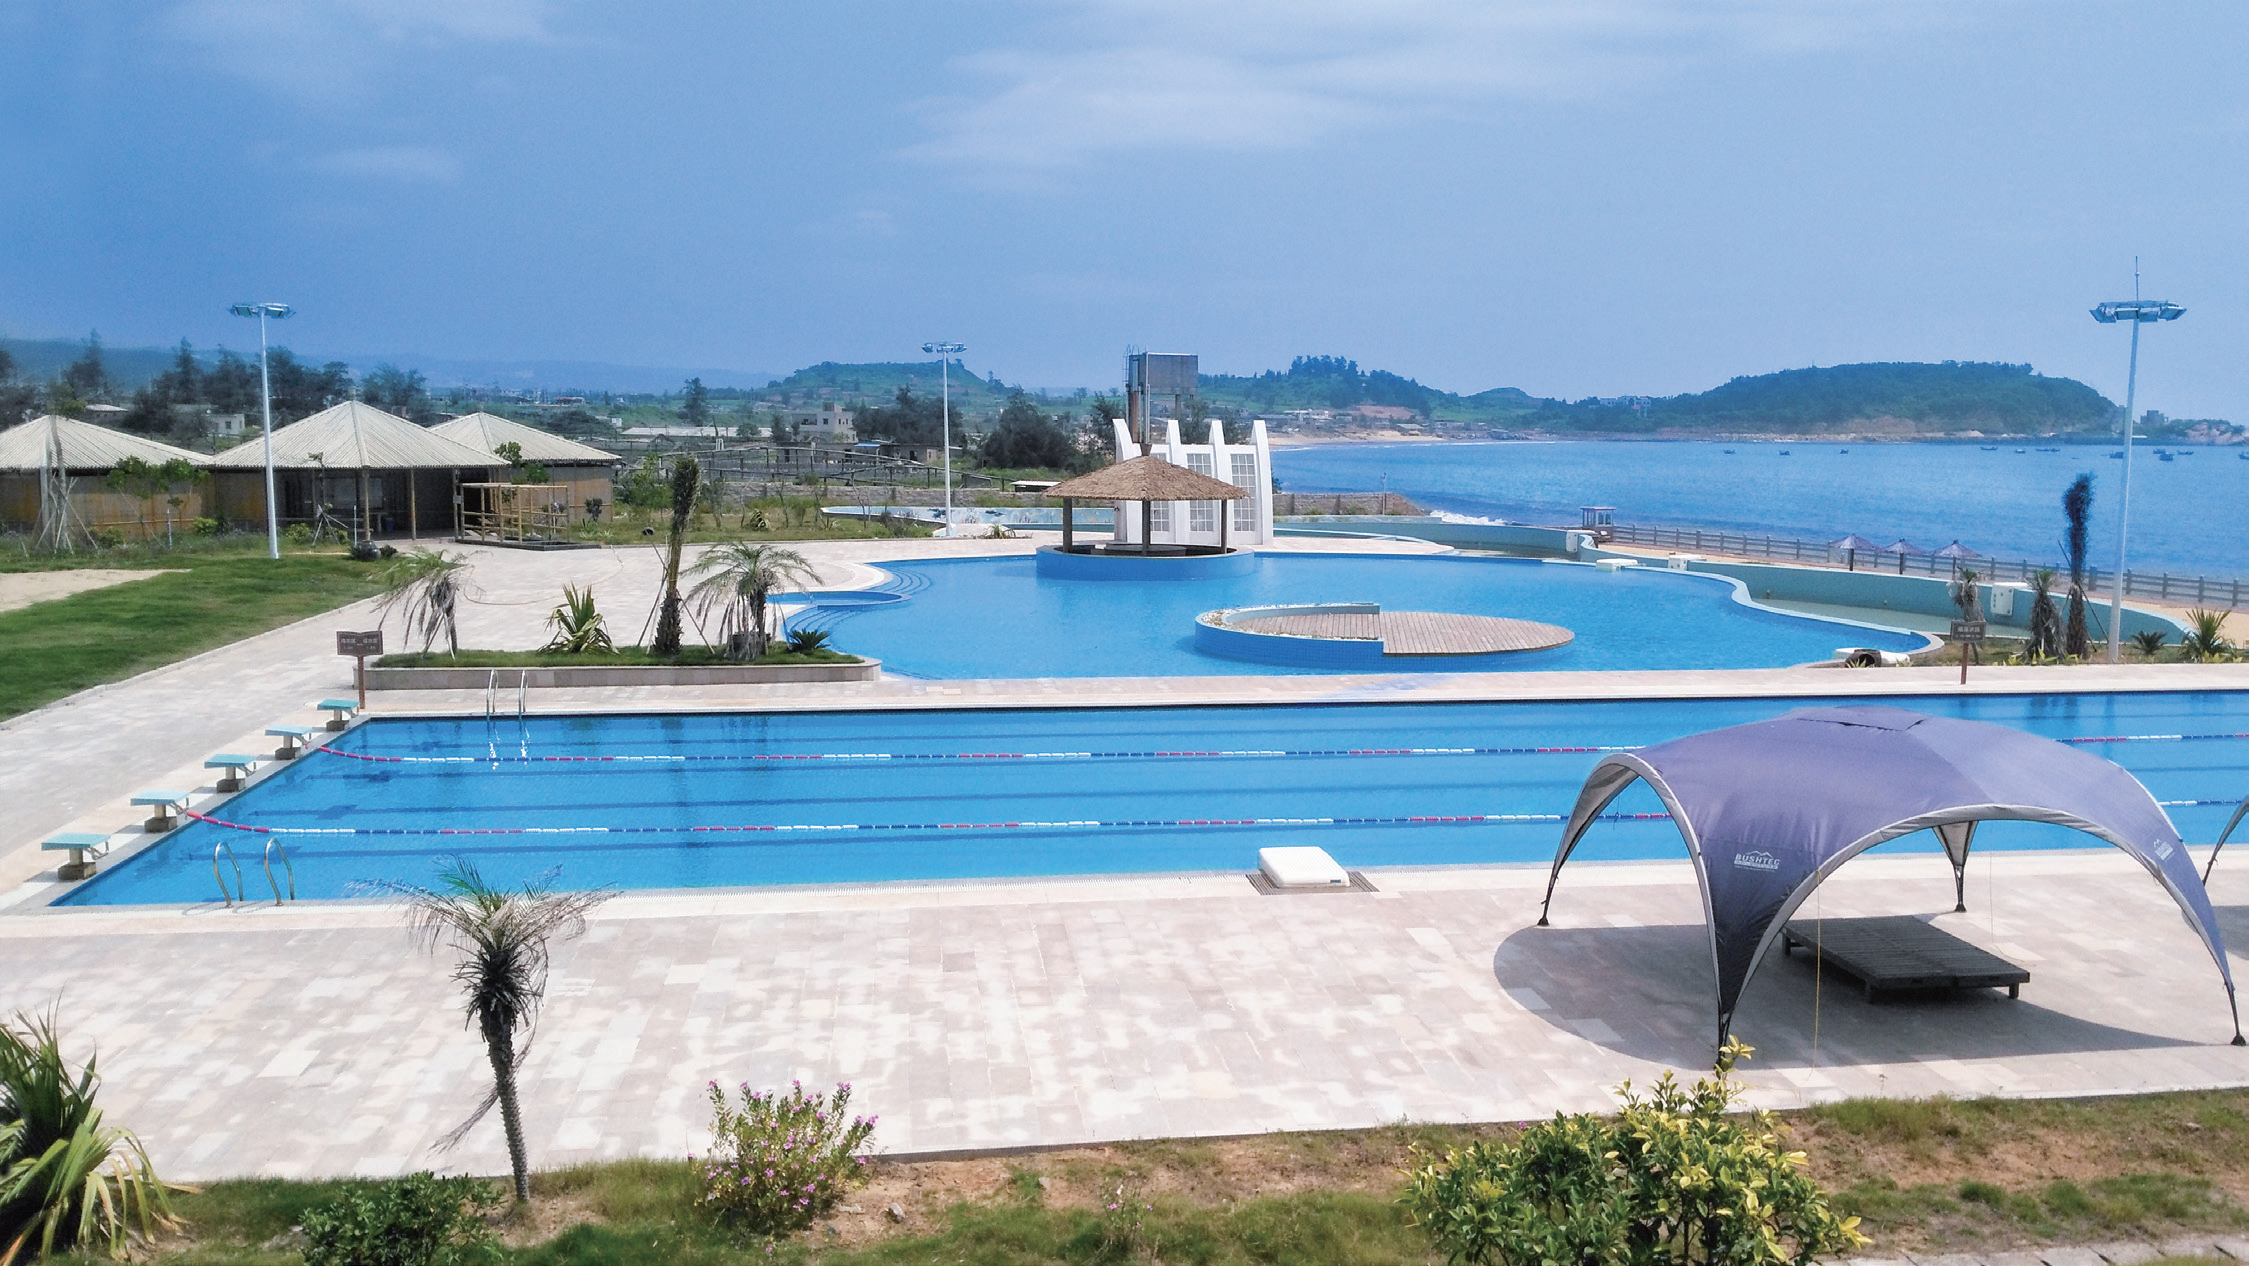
1301 867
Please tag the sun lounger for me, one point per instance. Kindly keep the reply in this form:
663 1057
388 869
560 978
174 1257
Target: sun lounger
85 848
292 739
166 804
340 711
1900 952
237 767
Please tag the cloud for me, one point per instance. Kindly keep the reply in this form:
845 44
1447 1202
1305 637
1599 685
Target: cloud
327 50
404 163
1114 77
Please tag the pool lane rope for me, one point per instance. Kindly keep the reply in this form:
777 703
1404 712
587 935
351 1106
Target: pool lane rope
525 757
1458 819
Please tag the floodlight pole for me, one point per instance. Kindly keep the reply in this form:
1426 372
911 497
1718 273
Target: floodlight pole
265 399
945 352
2139 312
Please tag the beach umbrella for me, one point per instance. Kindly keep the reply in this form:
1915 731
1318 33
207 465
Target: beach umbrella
1851 545
1902 547
1956 552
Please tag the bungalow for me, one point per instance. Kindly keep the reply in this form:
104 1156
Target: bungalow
374 471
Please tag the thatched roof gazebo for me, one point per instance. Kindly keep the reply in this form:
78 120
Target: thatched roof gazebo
1146 480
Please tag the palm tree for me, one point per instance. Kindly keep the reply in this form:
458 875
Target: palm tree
2045 619
686 478
2206 635
501 937
2077 505
426 584
741 576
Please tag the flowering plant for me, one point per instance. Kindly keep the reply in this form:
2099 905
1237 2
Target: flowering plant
781 1161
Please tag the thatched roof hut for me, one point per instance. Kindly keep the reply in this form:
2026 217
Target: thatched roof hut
354 462
1149 478
1146 480
81 455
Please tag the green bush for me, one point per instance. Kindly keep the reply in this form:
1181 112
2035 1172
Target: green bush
297 534
110 538
418 1220
206 527
1673 1178
781 1161
66 1180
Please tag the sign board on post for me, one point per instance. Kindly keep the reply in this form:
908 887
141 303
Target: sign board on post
1969 633
359 645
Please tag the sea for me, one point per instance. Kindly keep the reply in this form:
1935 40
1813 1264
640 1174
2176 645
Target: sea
2189 516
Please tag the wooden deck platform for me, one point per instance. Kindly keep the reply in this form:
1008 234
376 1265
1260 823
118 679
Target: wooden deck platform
1418 632
1897 952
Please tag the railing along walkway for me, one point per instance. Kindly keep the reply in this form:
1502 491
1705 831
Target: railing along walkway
2190 591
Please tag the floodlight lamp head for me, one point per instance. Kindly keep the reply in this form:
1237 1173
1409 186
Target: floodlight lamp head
275 311
944 349
2137 310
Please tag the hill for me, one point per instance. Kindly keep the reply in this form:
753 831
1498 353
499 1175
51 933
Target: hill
1885 398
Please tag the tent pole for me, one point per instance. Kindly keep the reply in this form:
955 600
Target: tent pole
2235 1006
2238 814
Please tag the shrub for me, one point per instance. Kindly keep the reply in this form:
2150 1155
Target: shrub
297 534
780 1162
206 527
2149 641
579 629
418 1220
66 1180
1672 1178
806 641
110 538
2205 639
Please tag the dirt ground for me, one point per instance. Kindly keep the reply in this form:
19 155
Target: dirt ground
23 588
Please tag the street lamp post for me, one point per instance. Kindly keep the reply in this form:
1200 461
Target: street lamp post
264 311
944 353
2139 312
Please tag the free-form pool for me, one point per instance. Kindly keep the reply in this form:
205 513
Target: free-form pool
777 798
995 617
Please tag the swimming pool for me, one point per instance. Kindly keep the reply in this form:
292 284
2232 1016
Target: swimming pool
995 617
686 801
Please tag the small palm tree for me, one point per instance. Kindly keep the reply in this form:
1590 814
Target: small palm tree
686 479
501 936
2077 508
66 1180
2045 618
740 576
2149 642
2206 635
426 585
579 629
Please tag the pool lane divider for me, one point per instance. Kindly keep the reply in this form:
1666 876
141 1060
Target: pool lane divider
800 757
784 757
1456 819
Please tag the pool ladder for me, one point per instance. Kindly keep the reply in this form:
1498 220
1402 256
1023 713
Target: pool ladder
522 715
241 891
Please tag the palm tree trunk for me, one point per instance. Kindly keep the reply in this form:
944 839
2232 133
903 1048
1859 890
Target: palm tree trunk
502 1053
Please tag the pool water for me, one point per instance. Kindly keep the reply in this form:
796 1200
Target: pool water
995 617
774 798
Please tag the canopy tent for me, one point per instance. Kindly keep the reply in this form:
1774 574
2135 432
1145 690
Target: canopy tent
1146 480
2240 812
1771 808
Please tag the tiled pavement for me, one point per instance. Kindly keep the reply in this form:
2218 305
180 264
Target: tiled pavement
312 1040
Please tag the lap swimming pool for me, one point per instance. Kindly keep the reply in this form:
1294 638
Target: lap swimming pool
996 617
687 801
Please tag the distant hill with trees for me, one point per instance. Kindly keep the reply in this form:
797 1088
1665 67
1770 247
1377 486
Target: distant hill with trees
1902 398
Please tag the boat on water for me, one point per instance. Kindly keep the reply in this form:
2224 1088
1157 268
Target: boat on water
2160 456
2116 456
1784 452
1989 448
2022 450
2049 450
1730 453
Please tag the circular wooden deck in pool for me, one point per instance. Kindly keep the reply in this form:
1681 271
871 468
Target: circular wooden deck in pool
1415 632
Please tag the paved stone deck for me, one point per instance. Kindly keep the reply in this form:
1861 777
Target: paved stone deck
316 1040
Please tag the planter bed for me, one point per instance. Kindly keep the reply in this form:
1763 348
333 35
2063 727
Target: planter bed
620 675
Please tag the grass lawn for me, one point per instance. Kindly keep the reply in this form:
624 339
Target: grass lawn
53 649
1928 1176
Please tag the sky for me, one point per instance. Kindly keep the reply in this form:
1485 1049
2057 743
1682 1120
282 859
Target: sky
1574 197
